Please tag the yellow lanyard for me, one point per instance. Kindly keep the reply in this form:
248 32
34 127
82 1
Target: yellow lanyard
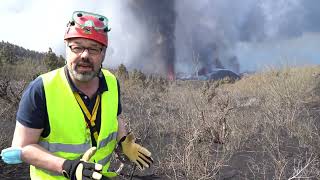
92 117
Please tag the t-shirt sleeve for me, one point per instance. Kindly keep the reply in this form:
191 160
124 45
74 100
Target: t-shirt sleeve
32 111
119 99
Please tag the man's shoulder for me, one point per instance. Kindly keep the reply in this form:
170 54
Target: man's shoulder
36 83
106 72
52 73
35 88
32 107
107 77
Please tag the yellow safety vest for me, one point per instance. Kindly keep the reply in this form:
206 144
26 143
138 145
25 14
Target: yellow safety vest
69 136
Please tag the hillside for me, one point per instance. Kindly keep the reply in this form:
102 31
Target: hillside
11 53
18 63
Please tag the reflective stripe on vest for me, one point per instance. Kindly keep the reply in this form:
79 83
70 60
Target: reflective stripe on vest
69 137
105 160
70 148
104 142
78 148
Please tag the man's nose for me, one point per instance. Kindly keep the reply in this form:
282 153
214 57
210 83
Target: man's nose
85 53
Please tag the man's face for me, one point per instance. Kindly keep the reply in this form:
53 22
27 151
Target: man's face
84 58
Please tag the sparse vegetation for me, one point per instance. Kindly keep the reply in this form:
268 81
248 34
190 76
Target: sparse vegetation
52 61
264 126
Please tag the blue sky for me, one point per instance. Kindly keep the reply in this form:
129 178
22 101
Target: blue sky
290 28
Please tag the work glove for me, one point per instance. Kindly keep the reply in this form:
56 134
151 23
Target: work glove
135 153
81 169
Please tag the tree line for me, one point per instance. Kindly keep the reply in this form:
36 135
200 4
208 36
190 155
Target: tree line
11 54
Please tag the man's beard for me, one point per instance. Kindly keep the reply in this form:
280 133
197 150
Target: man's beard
83 76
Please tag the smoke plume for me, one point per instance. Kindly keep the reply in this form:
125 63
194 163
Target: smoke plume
214 34
209 31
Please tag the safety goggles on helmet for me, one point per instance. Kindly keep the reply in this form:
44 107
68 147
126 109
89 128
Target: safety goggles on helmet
88 25
87 20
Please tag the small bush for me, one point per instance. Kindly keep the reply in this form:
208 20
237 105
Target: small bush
122 72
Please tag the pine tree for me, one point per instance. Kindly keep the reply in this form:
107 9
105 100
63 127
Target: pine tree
7 54
52 61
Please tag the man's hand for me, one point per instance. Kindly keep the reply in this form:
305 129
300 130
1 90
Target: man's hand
136 153
81 169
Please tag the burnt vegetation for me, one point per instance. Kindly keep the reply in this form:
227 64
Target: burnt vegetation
263 126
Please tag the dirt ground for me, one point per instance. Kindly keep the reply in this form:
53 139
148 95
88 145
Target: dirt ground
18 172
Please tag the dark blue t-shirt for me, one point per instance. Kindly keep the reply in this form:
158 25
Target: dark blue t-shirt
32 111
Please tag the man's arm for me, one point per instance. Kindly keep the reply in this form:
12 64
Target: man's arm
27 139
31 121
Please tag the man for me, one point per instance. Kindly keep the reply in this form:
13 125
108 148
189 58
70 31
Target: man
67 111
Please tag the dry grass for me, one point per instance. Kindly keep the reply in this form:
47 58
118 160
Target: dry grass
264 126
261 127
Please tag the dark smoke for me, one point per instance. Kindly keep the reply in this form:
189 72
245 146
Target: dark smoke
159 18
190 36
